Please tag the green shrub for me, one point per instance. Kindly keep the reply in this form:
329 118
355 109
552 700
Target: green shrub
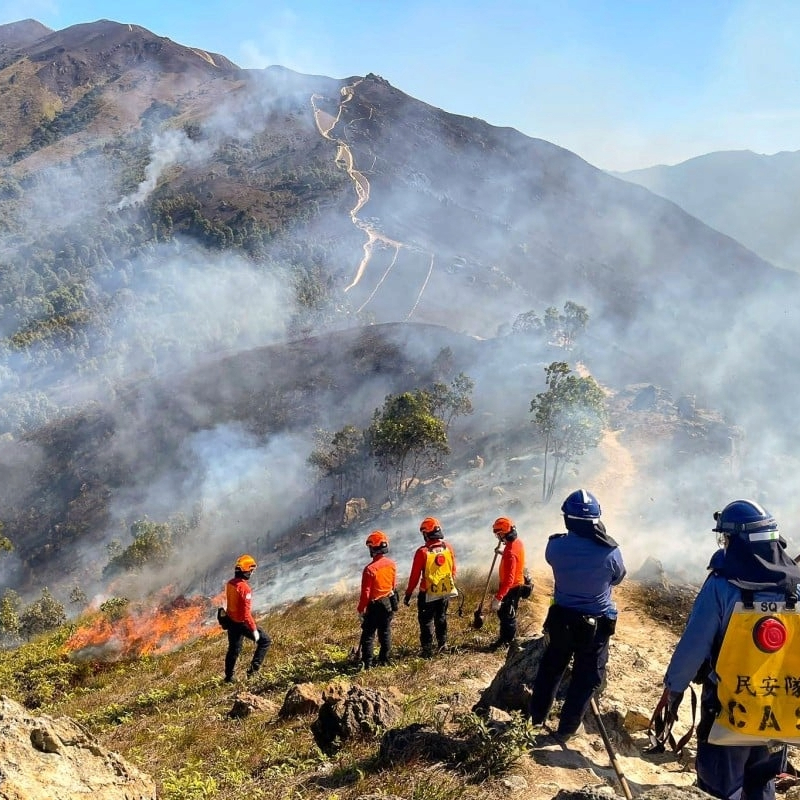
114 608
45 614
494 747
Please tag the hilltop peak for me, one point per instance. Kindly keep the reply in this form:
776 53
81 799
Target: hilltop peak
22 34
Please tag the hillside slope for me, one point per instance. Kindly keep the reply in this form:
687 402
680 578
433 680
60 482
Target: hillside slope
259 257
168 712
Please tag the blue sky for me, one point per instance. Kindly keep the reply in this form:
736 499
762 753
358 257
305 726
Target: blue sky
622 83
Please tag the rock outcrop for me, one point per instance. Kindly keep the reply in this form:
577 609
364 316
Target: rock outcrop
45 758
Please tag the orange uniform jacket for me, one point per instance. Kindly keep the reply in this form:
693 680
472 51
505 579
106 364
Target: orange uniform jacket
238 598
512 568
378 580
418 565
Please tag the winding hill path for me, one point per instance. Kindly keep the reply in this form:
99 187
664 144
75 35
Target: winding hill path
344 159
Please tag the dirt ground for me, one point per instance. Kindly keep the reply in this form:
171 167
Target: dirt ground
650 621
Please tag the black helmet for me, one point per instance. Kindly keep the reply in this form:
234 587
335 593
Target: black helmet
748 520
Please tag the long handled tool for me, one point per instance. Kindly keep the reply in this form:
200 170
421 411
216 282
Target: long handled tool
477 619
610 750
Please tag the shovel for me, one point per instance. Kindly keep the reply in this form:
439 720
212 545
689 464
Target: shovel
626 789
354 656
477 619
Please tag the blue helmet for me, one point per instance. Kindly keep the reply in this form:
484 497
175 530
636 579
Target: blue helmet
747 519
581 505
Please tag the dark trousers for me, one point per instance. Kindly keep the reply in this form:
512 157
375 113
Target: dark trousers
570 637
432 619
722 770
377 620
237 633
507 615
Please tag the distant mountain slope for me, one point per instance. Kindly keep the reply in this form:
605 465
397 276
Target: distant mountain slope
753 198
183 243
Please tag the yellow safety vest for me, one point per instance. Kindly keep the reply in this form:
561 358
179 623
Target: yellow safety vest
759 676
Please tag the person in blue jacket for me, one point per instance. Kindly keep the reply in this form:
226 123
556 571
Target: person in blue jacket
753 560
586 563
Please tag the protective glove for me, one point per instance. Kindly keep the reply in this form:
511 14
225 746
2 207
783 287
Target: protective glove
673 701
256 635
495 604
407 600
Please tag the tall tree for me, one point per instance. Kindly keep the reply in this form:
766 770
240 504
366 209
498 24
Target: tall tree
10 605
571 416
340 457
455 400
574 320
406 437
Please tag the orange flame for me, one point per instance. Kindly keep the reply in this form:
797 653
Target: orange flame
145 631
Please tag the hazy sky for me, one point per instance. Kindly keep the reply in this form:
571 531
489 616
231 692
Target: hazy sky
622 83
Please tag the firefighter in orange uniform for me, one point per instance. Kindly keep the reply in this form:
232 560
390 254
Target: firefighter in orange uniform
239 597
514 583
378 600
434 569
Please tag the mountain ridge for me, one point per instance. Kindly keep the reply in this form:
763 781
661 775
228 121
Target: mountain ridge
230 219
749 196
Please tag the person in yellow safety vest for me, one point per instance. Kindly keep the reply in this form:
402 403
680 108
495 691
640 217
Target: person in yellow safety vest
740 642
239 597
378 600
432 601
514 582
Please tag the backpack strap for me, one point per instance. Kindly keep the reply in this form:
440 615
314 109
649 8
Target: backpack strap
660 728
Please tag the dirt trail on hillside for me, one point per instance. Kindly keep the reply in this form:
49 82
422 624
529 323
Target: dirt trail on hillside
344 159
639 655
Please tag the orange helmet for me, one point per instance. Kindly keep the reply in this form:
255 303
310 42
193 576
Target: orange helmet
502 527
245 563
377 541
430 528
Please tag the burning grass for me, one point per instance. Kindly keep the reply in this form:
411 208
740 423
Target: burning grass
143 630
148 684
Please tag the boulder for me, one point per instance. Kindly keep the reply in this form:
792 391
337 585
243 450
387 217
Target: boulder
302 698
351 712
510 689
46 758
246 703
354 508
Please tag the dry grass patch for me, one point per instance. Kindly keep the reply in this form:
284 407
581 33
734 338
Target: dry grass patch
168 714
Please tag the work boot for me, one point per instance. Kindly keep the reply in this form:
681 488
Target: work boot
426 652
564 735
